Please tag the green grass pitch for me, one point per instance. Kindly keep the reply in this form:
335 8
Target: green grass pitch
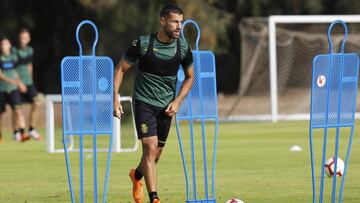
253 164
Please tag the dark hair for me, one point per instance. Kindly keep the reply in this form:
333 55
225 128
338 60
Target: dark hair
4 37
170 8
23 30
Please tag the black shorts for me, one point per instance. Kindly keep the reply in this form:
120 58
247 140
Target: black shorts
30 95
151 121
12 98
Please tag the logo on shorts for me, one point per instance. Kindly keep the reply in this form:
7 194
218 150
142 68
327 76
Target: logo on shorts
144 128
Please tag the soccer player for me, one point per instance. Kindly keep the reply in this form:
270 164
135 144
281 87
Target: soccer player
24 69
10 85
159 55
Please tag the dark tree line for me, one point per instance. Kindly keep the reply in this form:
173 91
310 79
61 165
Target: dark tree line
53 24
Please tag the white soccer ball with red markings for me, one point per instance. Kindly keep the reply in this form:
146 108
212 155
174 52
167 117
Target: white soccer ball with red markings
330 165
234 201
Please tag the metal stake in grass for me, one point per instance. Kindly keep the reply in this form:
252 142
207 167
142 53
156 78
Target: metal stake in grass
333 105
87 100
199 105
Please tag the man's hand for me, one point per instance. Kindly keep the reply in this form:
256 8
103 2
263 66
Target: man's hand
118 76
172 108
22 87
118 110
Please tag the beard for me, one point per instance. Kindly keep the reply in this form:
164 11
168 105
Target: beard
173 34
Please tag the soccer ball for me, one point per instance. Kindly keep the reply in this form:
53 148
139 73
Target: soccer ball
234 201
330 165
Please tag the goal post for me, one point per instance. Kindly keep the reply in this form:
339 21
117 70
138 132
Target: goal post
273 21
118 146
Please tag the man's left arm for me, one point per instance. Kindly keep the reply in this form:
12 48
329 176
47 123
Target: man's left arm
30 64
173 107
30 69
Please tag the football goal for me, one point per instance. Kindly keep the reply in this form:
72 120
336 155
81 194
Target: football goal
276 63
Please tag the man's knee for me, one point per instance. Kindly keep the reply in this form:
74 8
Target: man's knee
35 104
17 111
150 150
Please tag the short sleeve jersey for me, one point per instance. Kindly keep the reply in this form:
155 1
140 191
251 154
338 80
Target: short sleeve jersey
7 67
158 87
25 57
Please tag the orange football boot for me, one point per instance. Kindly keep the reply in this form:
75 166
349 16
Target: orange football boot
138 193
156 201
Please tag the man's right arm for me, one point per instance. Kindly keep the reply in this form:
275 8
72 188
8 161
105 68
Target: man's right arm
16 82
128 59
7 80
120 69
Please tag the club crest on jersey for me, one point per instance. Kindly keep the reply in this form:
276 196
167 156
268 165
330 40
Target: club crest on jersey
144 128
321 81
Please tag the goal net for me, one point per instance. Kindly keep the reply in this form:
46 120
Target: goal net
283 91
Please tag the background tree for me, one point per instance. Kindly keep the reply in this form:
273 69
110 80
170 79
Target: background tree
53 24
